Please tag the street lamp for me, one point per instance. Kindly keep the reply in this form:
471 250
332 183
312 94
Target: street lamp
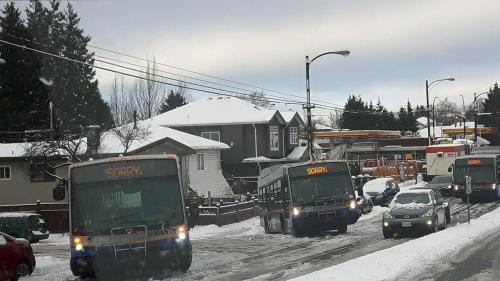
463 103
427 85
463 118
343 53
433 119
476 113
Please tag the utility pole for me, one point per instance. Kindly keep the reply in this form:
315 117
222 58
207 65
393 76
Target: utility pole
308 112
51 106
427 112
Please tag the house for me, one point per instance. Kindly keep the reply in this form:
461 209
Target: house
22 180
252 133
199 157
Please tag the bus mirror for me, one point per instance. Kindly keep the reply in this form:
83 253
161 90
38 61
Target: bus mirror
450 168
59 192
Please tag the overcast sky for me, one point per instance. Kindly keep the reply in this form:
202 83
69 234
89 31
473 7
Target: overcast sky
395 45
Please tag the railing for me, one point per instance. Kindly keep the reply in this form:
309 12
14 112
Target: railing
221 214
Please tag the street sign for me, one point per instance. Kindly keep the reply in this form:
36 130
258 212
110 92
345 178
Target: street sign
468 185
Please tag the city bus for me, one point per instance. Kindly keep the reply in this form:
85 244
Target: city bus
127 218
484 170
307 198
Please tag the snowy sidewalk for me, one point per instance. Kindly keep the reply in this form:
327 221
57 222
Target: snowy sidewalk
407 260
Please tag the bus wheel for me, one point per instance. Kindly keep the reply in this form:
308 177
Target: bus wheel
185 263
266 226
342 228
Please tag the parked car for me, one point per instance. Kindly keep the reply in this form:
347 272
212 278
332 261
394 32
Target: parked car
364 205
443 183
381 190
412 211
438 195
29 226
16 258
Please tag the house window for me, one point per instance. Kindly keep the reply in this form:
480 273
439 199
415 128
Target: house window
4 172
215 136
294 139
200 159
274 138
38 174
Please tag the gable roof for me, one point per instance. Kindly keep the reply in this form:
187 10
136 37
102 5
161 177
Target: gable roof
110 143
290 115
216 111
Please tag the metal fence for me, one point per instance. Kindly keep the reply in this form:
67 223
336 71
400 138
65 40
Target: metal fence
221 214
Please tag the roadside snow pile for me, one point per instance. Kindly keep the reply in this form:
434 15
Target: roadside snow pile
245 228
413 257
56 239
50 268
377 211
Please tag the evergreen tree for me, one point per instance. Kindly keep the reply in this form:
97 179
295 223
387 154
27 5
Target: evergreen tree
492 105
172 101
23 99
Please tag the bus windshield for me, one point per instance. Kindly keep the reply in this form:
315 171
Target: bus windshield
479 174
308 189
152 201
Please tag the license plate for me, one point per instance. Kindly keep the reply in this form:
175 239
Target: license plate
406 224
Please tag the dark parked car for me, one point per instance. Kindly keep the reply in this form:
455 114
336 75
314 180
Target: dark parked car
438 195
443 183
381 190
16 258
364 205
412 211
29 226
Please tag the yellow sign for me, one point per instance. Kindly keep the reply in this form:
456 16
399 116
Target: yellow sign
317 170
474 162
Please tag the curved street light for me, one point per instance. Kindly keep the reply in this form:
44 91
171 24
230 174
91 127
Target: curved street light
433 118
476 113
427 90
343 53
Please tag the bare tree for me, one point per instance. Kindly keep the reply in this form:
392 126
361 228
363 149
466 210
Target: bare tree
121 103
72 144
334 119
130 133
444 112
259 99
147 94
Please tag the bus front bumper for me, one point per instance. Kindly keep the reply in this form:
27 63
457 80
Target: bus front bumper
326 220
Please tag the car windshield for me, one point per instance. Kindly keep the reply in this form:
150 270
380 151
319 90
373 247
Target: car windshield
441 180
412 198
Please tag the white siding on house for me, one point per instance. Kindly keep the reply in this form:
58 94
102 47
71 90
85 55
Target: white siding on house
209 179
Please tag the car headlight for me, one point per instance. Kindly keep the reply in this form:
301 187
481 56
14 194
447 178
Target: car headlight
387 216
449 186
428 213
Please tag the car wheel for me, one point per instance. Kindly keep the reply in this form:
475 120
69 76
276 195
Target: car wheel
22 269
436 226
342 228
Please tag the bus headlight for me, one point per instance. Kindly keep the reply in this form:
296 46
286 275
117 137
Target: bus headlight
181 232
455 186
352 204
296 211
493 186
79 247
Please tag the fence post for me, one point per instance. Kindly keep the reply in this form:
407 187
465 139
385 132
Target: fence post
209 199
237 219
253 206
217 218
38 208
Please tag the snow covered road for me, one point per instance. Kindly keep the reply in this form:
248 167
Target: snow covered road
243 251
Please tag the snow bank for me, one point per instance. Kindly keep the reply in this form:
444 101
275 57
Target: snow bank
408 259
245 228
377 210
50 268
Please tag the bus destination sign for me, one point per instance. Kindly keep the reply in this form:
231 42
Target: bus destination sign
474 162
120 172
317 170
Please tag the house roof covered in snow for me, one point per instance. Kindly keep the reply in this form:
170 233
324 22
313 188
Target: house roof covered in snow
12 150
289 115
216 111
111 144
